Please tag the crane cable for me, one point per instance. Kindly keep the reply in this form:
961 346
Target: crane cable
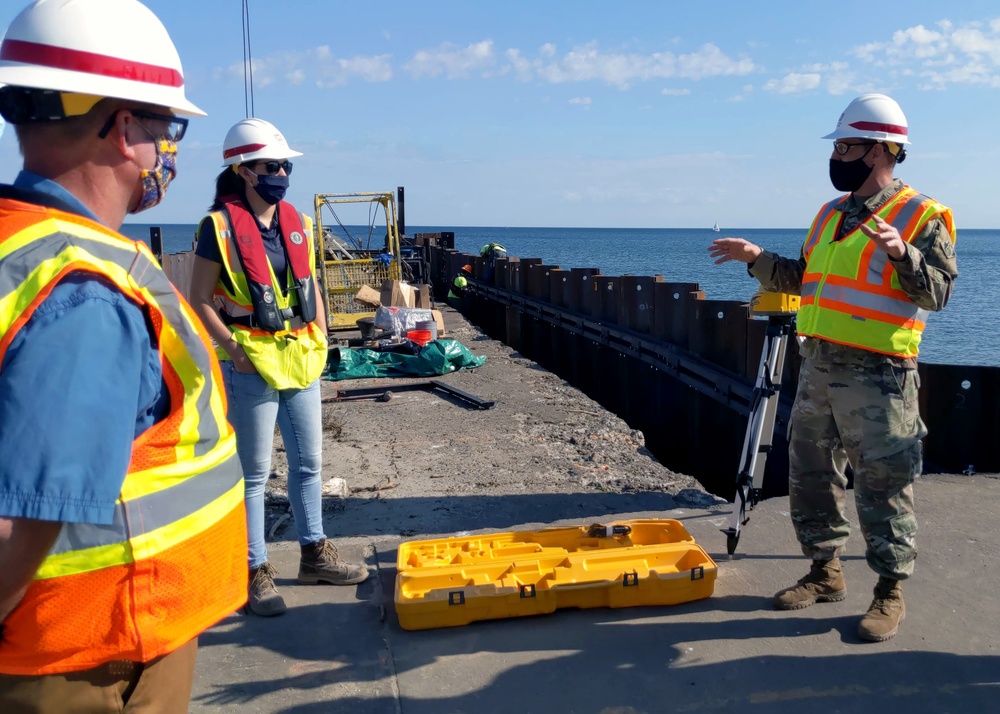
247 62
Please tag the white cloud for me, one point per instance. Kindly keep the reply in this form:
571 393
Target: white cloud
747 90
582 63
968 53
925 43
976 43
793 83
370 69
451 61
338 72
520 65
585 101
825 67
588 63
317 64
841 82
675 92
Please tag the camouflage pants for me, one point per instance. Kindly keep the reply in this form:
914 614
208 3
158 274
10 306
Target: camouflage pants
867 416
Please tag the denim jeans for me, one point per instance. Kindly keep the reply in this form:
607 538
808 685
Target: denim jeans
253 408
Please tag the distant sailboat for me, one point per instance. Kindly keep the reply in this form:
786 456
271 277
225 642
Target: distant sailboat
716 227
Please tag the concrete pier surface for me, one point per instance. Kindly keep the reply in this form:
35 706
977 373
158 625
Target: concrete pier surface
421 466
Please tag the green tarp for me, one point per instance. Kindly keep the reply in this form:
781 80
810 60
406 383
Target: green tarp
436 358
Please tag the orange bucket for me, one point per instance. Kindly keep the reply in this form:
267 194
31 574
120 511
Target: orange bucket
421 337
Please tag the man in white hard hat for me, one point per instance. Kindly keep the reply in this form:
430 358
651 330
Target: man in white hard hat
122 528
875 263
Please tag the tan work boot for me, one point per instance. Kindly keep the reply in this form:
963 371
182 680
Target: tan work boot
887 610
321 564
824 583
262 597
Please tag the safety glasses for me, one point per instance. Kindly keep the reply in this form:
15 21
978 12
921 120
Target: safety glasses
273 167
842 148
176 126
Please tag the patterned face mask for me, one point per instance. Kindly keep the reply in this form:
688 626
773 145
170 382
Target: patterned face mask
156 180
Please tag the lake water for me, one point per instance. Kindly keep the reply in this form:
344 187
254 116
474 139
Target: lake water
954 336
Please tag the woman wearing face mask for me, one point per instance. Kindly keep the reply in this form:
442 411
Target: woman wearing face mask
254 287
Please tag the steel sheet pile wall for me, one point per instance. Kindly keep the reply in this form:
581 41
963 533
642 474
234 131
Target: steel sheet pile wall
680 367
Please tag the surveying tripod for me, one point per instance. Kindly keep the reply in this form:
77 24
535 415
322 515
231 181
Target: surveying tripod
780 311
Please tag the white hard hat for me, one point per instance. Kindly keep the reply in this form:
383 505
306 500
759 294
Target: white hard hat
872 116
112 48
254 139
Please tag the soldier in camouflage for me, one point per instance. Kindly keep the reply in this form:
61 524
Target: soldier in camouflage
858 336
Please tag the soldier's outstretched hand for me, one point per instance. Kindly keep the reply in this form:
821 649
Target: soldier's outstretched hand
725 249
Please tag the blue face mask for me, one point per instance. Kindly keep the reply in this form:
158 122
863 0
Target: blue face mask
271 189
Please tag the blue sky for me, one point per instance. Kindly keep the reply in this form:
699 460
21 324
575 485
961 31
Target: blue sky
643 114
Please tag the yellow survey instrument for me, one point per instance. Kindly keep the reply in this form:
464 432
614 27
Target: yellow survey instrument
765 303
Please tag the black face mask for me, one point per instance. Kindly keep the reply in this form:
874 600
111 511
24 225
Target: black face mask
849 175
271 188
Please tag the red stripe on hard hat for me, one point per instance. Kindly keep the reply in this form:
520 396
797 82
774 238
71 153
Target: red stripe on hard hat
875 126
245 149
89 63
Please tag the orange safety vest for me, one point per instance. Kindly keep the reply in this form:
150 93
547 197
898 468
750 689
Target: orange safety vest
173 561
294 356
851 294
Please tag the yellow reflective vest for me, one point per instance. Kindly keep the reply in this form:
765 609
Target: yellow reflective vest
292 358
850 291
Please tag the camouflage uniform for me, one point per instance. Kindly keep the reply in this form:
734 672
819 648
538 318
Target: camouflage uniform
861 407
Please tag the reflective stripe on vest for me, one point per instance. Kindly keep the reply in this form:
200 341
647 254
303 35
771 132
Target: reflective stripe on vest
173 561
288 359
850 291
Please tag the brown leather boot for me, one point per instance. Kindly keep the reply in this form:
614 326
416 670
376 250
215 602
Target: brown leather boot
824 583
262 597
887 610
321 564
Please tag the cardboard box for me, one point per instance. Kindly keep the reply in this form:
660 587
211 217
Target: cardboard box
396 293
439 319
368 296
422 296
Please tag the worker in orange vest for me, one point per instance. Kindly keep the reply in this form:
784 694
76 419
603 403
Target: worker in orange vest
122 528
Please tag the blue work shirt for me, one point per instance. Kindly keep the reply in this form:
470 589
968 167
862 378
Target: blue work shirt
78 383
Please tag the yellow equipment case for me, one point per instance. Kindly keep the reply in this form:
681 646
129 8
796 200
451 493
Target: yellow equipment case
455 581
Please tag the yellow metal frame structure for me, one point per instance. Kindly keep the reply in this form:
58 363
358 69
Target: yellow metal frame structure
342 279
